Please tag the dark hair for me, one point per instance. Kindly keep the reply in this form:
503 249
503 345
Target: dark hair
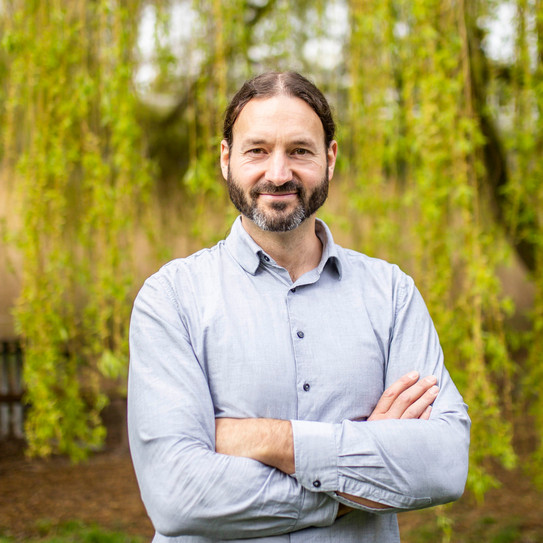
271 84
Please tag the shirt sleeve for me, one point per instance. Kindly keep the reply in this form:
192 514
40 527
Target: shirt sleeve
405 464
188 488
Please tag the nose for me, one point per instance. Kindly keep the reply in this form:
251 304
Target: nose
278 170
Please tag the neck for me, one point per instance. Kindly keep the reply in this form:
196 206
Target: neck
298 251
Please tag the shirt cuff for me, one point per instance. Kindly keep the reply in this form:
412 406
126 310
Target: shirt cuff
318 509
315 455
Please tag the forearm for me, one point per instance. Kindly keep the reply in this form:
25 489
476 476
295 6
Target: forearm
187 487
270 442
385 461
405 464
370 478
267 440
189 490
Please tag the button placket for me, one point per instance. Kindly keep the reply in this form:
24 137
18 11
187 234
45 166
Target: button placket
302 346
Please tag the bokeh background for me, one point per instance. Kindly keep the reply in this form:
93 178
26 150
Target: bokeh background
110 121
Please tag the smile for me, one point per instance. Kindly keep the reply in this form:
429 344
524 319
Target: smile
280 195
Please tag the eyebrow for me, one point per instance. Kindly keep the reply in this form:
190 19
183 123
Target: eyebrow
304 143
300 142
254 141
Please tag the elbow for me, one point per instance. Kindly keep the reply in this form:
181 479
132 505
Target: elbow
182 505
457 482
170 518
439 489
451 470
166 519
172 489
444 479
172 504
165 524
449 491
449 485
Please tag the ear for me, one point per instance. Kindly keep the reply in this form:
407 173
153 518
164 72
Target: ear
225 158
331 153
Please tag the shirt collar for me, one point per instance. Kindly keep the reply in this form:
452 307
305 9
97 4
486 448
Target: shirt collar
250 255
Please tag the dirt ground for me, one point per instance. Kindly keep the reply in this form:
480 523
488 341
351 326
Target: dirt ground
104 491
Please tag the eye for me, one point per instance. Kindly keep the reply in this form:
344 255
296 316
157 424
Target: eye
256 151
300 151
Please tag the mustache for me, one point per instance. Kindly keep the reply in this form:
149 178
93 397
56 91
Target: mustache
270 188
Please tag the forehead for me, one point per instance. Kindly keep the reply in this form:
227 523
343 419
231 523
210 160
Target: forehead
279 117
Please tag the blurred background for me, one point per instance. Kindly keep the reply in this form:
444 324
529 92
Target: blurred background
110 123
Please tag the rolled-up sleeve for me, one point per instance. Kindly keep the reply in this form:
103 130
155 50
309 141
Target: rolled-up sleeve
405 464
187 487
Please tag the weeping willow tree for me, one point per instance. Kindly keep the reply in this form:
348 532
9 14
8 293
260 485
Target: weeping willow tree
440 172
75 172
446 156
424 155
522 195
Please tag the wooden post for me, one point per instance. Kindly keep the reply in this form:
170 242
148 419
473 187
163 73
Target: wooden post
11 391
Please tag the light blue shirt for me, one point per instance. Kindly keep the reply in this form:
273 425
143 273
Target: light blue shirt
226 333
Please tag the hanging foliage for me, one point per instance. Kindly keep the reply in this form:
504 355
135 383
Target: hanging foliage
524 189
74 163
419 177
440 168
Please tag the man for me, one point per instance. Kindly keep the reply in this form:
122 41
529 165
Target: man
274 390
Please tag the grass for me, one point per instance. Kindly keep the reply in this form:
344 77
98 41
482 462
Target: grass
72 532
486 530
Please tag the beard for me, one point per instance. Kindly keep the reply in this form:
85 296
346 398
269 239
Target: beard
276 217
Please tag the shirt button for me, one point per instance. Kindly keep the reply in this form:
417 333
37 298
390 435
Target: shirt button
316 483
293 289
266 258
307 386
300 334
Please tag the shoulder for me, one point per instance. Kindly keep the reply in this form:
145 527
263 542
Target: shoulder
185 274
372 267
378 279
201 261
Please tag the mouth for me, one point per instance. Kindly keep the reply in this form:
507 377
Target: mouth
283 197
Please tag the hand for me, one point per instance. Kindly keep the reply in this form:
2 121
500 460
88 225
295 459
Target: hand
407 398
267 440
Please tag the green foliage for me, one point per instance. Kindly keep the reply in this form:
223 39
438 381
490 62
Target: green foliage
488 529
76 175
440 169
421 176
74 532
524 191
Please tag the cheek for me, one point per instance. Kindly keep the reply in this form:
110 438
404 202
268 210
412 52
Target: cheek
247 173
314 176
251 163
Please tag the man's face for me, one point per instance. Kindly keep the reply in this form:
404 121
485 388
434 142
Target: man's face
278 168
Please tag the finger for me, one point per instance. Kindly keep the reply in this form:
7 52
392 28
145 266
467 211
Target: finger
409 396
418 408
393 391
426 414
